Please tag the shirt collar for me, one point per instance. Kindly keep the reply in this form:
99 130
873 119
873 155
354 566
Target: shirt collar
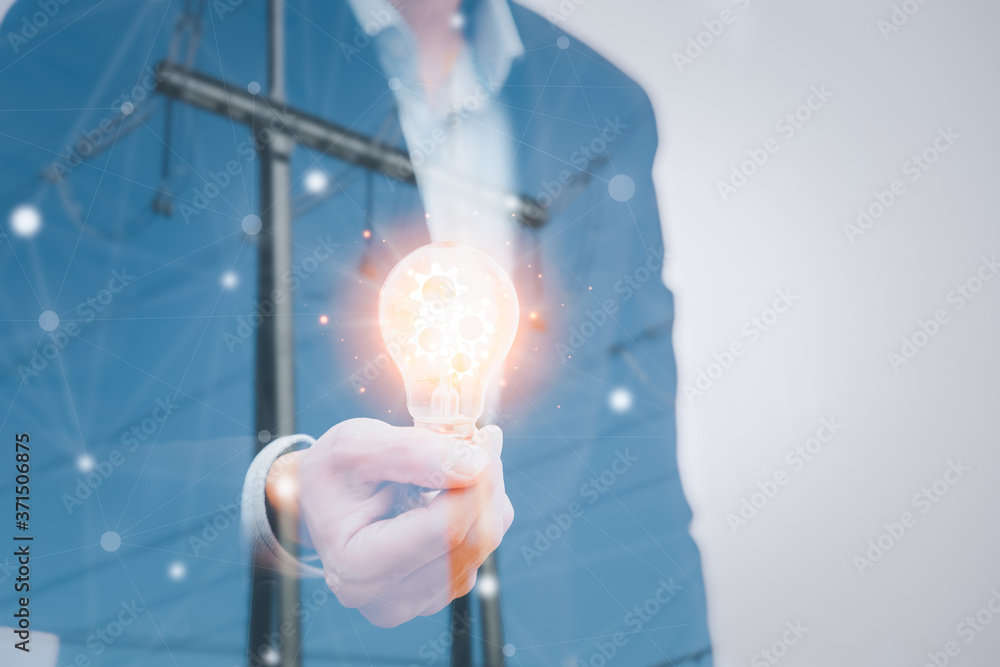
489 29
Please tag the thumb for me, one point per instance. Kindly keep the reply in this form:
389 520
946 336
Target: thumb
490 438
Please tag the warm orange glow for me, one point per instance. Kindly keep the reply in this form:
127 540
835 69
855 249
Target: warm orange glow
367 233
323 319
448 314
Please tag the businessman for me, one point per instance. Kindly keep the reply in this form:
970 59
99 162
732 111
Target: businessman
480 89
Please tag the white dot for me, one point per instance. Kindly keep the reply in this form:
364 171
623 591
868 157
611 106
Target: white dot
177 570
621 188
457 21
395 83
316 181
563 42
251 224
253 87
270 656
111 540
230 280
84 463
48 320
509 650
25 220
264 436
127 108
487 585
620 400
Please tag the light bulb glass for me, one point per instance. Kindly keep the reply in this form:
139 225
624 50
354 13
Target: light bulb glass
448 314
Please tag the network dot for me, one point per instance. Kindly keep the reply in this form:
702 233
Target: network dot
177 570
251 224
264 436
25 220
253 87
562 43
395 83
316 181
621 188
509 650
48 320
127 108
270 656
620 400
110 541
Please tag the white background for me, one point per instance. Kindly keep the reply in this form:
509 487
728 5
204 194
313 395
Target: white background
827 357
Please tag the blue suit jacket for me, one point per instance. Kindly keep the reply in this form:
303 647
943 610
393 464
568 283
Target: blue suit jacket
599 564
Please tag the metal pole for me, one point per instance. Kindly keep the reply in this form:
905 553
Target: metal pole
461 643
489 609
274 596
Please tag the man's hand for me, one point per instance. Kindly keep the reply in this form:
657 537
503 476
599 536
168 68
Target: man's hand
395 566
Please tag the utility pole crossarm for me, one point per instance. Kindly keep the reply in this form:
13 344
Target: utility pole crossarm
216 96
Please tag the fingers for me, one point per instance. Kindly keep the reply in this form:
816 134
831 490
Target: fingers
401 576
412 597
442 526
460 589
416 562
393 548
341 477
431 588
371 450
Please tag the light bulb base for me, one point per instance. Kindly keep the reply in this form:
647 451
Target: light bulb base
464 430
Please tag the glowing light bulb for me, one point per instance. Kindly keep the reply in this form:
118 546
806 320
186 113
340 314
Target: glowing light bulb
448 314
